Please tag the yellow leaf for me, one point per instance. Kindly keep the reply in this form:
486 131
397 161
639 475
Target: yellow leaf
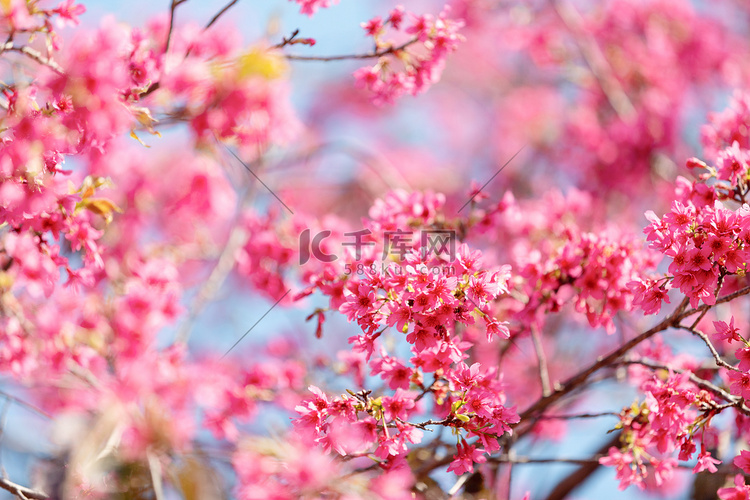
134 136
6 281
100 206
197 480
143 115
260 62
462 417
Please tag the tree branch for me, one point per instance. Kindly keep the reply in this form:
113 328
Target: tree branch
542 359
721 300
32 54
580 415
22 491
595 60
172 10
220 13
581 474
371 55
707 341
735 401
546 401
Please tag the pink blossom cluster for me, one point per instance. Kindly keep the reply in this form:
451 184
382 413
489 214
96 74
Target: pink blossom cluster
421 294
422 306
21 17
410 67
726 127
226 92
267 254
704 240
632 64
589 267
469 400
309 7
674 414
291 469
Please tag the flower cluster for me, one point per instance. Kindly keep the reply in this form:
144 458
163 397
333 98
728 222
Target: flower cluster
424 294
673 415
290 468
470 399
21 17
412 66
562 261
705 243
309 7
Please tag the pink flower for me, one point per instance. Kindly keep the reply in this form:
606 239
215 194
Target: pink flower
623 464
309 7
399 405
68 12
707 462
740 383
360 303
726 331
739 492
373 27
396 17
743 461
649 295
465 458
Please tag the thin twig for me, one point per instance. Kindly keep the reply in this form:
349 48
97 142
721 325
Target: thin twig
286 41
172 10
542 362
576 380
714 352
211 23
24 404
595 60
580 415
700 382
220 13
22 491
370 55
32 54
720 300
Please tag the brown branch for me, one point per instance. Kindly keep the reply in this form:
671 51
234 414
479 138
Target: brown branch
721 300
220 13
581 474
371 55
172 10
595 60
286 41
33 55
576 380
542 359
735 401
580 415
22 491
707 341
